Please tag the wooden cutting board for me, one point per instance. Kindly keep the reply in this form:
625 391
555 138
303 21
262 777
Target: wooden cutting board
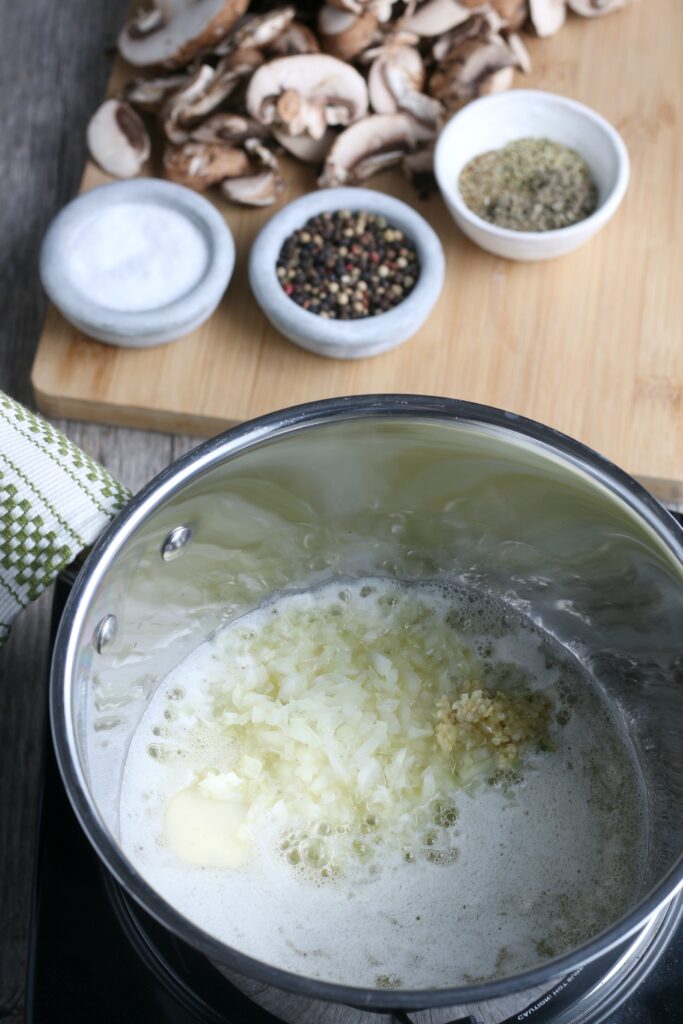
591 343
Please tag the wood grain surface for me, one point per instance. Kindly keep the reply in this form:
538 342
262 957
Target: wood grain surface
590 343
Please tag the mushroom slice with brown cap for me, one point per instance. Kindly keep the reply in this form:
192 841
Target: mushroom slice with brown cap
149 94
382 9
513 12
201 164
353 6
304 94
257 31
444 44
176 30
261 154
174 115
486 27
208 89
296 39
260 189
517 47
413 101
343 34
437 16
303 147
117 139
371 145
382 99
480 26
395 38
229 129
395 83
547 16
499 81
509 13
596 8
464 74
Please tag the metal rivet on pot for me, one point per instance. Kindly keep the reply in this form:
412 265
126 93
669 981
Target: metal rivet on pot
176 542
105 633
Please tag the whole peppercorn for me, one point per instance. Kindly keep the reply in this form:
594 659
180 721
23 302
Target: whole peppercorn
347 265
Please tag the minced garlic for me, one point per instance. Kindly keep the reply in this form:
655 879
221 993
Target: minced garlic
499 724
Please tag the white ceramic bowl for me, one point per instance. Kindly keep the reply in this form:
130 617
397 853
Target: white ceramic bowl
492 122
346 339
102 312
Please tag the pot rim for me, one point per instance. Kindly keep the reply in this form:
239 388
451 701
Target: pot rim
170 481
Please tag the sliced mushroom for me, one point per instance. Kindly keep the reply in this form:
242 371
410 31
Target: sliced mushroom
176 30
262 185
208 88
296 39
547 16
517 47
418 168
304 94
303 147
393 39
243 62
476 27
264 157
499 81
353 6
408 60
230 129
117 139
382 9
186 105
437 16
596 8
395 83
257 31
201 164
371 145
181 108
513 12
343 34
260 189
149 94
464 74
413 101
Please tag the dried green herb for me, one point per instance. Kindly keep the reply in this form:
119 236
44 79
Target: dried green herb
529 185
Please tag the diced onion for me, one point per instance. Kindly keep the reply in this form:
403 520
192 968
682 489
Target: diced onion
332 709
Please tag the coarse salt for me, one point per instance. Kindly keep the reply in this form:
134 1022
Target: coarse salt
136 256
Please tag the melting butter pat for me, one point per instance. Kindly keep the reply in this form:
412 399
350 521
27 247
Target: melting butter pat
207 833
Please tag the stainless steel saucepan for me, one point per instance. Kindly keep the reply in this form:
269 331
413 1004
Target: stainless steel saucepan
411 487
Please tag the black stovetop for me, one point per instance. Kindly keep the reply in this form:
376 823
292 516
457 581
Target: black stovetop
91 960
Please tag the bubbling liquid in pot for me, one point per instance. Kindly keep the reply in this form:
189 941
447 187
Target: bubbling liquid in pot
386 785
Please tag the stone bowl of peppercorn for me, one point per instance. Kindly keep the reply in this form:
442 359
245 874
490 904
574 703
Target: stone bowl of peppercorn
347 272
529 175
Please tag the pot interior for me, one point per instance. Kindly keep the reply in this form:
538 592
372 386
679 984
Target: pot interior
407 496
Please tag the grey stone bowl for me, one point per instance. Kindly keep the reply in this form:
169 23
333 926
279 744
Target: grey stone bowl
150 326
346 339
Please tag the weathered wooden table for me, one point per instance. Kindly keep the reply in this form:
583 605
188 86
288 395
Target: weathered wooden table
54 65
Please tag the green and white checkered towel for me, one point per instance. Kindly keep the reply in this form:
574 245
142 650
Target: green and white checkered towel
54 501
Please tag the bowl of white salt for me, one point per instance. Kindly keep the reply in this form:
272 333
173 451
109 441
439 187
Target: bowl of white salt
137 263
